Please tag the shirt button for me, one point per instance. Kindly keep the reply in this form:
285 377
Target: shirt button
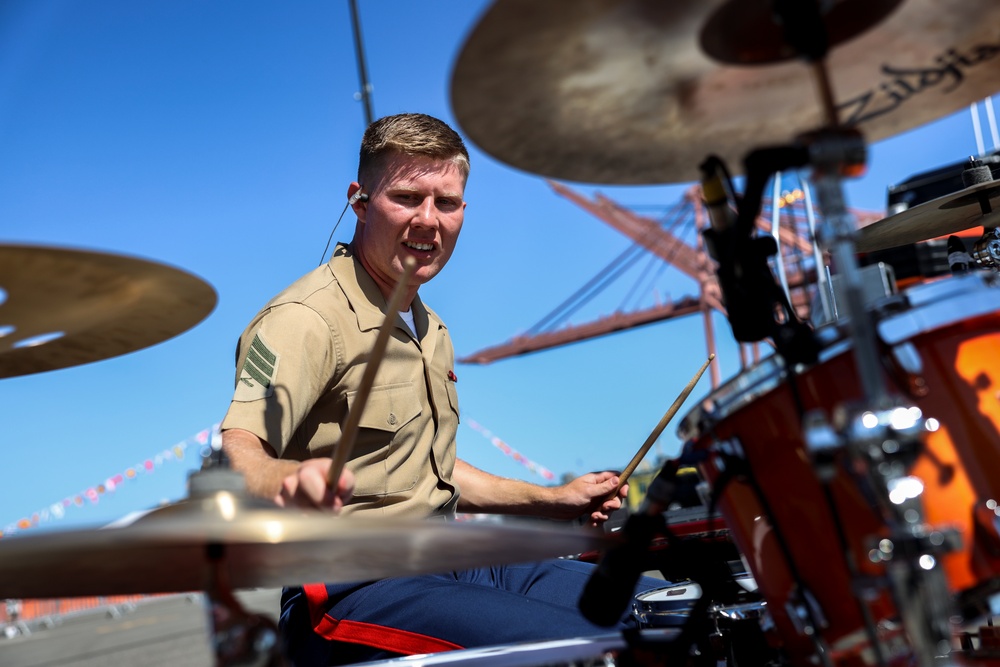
392 419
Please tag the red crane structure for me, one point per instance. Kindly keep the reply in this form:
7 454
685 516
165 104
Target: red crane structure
689 257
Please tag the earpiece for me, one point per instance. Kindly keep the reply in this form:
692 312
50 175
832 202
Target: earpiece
356 197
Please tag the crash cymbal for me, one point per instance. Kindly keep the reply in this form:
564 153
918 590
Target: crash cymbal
260 545
620 92
949 214
62 307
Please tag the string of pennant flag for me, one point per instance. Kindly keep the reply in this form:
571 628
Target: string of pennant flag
534 467
204 441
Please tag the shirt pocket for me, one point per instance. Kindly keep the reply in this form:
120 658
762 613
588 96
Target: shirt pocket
388 434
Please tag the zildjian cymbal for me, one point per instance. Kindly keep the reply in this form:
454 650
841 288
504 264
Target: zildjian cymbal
226 538
61 307
622 92
950 214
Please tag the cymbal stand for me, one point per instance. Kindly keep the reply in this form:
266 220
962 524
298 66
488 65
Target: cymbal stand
237 636
880 436
986 250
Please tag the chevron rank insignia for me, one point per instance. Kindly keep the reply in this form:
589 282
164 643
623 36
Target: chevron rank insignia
258 372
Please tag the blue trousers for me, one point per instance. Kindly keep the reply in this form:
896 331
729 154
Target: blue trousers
339 624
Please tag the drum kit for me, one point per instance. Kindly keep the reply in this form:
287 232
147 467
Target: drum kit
853 469
849 475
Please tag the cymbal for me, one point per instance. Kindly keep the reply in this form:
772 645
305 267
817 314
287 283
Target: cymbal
103 306
261 545
949 214
746 32
620 92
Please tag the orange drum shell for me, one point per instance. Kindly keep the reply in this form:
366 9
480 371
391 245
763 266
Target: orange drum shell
960 388
769 431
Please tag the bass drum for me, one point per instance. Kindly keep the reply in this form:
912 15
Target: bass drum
732 631
808 543
670 606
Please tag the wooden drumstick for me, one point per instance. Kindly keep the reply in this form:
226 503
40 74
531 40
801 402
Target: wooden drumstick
350 433
630 468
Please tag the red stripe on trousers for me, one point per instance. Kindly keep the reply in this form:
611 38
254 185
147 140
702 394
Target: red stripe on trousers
368 634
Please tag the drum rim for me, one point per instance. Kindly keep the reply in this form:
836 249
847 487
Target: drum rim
918 310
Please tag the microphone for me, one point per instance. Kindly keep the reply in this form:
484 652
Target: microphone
717 195
609 590
959 260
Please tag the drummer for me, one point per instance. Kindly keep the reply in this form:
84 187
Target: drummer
299 365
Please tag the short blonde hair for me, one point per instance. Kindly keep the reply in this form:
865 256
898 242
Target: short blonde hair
413 134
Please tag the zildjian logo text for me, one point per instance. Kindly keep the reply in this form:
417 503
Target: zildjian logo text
908 83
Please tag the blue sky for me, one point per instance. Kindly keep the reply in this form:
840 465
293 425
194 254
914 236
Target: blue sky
219 138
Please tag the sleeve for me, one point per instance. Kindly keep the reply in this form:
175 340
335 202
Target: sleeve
286 361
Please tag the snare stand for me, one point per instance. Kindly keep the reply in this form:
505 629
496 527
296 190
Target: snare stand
237 636
879 436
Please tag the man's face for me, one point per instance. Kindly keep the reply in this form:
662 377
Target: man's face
415 208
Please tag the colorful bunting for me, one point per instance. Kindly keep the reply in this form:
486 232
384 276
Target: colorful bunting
206 440
509 451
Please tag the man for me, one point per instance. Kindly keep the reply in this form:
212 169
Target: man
299 365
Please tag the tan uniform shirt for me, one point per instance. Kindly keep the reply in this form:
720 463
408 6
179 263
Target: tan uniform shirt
299 365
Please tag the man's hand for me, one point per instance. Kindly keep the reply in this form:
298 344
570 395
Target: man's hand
592 493
288 483
307 487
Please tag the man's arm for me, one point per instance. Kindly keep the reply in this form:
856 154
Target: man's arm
589 494
285 482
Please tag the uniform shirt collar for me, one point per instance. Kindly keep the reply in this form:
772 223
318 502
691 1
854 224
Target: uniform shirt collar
365 297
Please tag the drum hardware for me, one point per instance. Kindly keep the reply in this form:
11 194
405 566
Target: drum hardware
986 250
943 338
983 601
881 447
616 107
877 438
609 589
959 259
237 637
801 607
757 307
736 627
936 306
877 282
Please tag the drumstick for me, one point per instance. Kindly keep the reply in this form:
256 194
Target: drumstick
350 432
630 468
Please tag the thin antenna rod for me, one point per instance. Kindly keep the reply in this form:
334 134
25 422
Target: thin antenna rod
991 117
366 88
976 129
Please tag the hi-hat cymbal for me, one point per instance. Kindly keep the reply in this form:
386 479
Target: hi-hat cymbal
67 307
620 92
259 545
950 214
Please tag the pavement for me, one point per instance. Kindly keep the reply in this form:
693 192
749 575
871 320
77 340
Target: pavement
156 632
